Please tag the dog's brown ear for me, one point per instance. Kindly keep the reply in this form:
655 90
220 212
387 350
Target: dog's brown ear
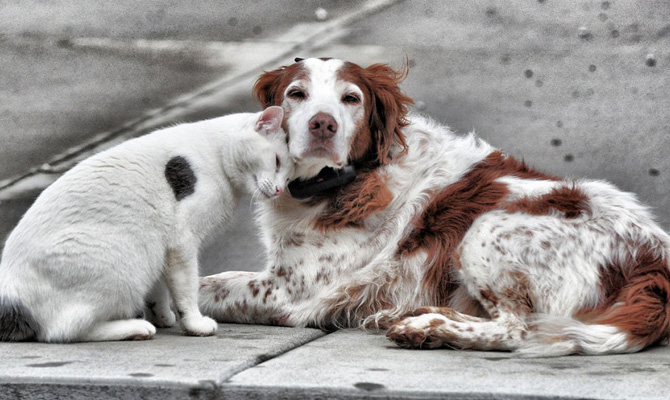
266 86
270 86
388 109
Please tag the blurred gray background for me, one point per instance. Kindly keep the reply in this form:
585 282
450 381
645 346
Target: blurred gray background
576 88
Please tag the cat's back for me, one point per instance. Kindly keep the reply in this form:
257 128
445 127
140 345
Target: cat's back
133 170
119 176
117 191
134 187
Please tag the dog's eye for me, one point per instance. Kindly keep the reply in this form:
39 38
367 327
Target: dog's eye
297 94
351 99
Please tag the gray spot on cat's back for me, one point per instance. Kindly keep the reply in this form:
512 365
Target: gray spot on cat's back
180 176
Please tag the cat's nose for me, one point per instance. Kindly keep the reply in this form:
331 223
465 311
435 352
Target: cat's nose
278 191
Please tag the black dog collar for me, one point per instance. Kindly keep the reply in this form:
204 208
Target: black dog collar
328 178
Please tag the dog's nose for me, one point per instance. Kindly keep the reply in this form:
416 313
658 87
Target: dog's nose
322 126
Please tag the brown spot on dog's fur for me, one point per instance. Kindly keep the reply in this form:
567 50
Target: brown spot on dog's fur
293 239
254 288
284 272
568 200
221 294
353 203
326 258
451 212
435 322
268 292
636 291
323 275
519 295
489 295
456 260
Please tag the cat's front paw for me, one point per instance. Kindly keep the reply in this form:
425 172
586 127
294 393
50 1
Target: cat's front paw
138 329
197 325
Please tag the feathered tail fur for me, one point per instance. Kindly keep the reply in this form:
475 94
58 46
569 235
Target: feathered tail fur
16 322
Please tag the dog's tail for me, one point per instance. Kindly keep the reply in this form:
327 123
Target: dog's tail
633 317
16 322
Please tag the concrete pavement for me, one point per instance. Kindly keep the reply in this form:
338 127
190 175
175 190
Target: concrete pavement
170 365
261 362
332 367
577 88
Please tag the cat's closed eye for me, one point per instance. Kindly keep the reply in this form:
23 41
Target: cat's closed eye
277 163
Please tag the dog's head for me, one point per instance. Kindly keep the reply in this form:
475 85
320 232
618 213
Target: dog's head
337 112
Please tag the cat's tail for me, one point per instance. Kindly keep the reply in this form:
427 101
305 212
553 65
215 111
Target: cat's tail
16 322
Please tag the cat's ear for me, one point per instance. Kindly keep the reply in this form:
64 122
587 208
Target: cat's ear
270 120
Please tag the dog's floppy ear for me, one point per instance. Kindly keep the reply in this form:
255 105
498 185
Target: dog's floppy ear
266 86
388 108
270 86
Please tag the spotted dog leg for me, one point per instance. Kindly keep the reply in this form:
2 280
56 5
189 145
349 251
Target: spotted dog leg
506 301
243 297
444 327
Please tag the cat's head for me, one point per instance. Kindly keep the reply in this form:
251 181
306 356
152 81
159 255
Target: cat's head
272 165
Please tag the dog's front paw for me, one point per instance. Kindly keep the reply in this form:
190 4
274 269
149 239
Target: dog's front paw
416 333
197 325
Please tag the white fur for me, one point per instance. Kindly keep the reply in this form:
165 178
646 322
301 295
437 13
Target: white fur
354 276
86 255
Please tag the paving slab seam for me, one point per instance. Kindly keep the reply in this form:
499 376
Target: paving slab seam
222 382
153 118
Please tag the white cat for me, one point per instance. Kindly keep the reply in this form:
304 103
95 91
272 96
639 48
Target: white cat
85 257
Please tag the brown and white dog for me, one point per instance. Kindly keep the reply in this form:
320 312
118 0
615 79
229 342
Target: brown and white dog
441 238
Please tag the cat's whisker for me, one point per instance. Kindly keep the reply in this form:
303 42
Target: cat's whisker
257 194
